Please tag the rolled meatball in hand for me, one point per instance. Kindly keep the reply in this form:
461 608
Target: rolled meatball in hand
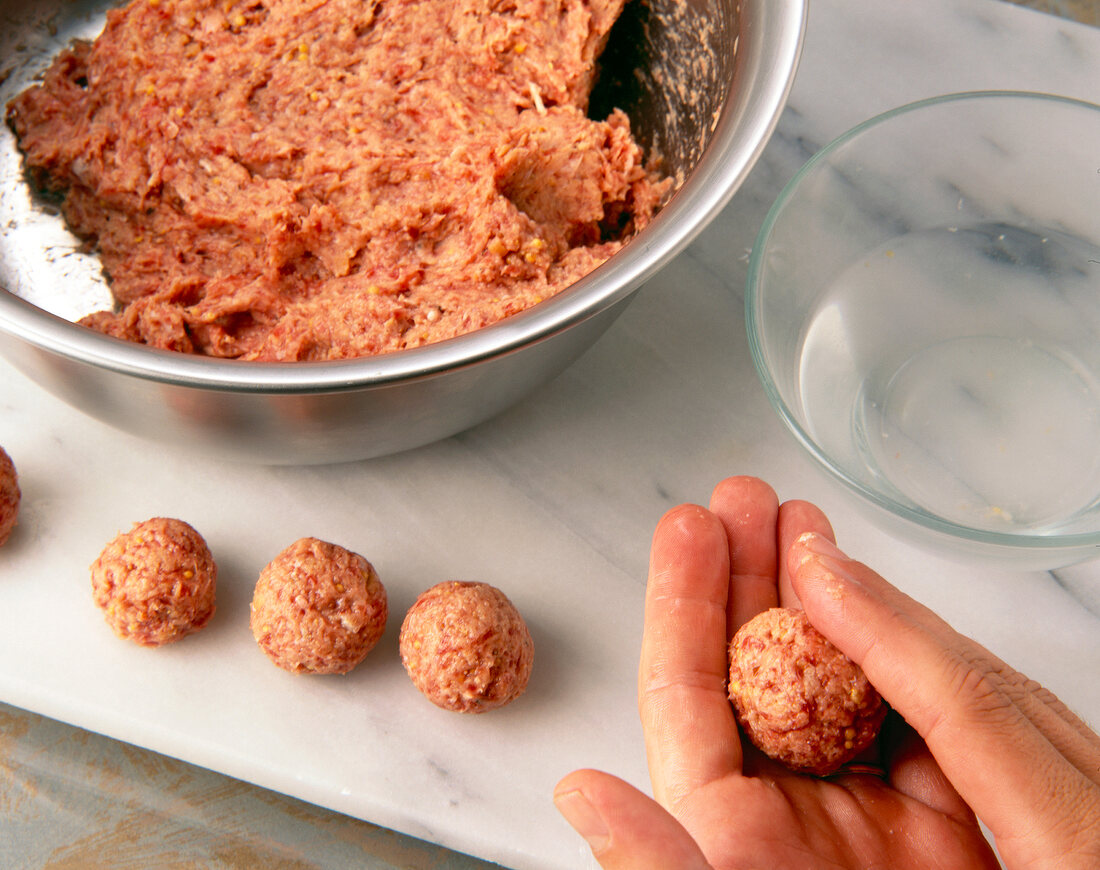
9 496
318 608
466 647
797 697
156 582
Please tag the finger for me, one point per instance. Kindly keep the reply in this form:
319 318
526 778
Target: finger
625 829
1004 766
748 509
913 770
690 734
1071 737
795 519
1059 724
1066 732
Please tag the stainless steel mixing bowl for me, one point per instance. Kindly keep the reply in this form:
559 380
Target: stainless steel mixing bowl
703 82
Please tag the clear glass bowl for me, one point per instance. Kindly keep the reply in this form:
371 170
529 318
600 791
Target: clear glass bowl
923 309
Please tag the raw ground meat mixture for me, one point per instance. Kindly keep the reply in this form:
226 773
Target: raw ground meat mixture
797 697
155 583
321 179
9 496
318 608
466 647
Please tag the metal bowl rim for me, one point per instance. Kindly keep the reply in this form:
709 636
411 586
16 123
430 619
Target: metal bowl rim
732 152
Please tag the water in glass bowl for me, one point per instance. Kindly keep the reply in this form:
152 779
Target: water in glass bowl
959 368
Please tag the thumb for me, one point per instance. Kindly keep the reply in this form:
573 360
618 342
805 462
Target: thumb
625 829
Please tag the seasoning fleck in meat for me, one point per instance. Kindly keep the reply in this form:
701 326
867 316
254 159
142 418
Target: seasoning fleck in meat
797 697
318 608
293 180
156 582
466 647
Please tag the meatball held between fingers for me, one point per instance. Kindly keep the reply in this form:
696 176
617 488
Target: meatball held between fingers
466 647
155 583
798 698
318 608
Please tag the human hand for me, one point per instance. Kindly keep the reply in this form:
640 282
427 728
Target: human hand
995 741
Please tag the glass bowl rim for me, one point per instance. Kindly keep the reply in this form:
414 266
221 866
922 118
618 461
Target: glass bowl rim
753 283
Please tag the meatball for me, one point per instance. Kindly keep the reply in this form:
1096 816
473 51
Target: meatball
9 496
156 582
466 647
797 697
318 608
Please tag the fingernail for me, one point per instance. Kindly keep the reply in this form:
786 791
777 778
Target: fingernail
819 545
830 569
580 813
